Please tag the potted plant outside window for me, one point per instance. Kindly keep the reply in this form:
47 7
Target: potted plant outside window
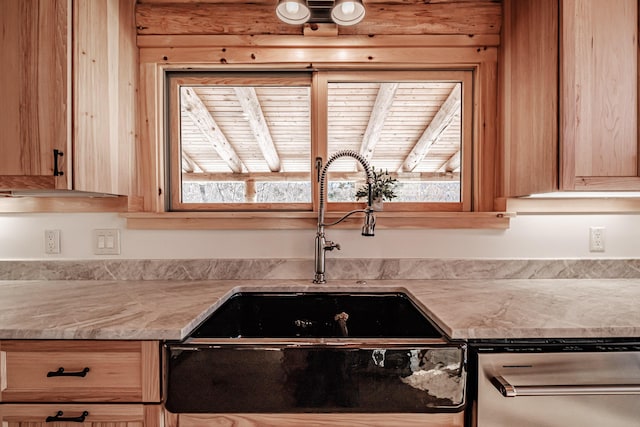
382 188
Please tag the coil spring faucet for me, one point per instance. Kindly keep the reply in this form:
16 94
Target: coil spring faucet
368 229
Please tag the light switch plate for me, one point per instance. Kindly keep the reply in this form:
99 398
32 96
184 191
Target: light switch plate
106 241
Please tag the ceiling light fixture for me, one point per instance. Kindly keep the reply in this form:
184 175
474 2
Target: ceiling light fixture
341 12
347 12
294 12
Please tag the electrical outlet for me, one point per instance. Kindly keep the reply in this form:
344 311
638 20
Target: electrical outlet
106 241
52 241
596 239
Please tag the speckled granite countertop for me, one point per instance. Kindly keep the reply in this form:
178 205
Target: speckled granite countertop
463 309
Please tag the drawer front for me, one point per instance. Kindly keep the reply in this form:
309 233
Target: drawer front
325 420
87 415
80 371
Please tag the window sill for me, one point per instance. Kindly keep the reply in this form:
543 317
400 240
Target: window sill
308 220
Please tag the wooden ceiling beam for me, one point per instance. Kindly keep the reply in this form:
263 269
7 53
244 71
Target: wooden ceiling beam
252 176
452 164
304 176
438 124
442 17
252 109
379 112
193 106
189 165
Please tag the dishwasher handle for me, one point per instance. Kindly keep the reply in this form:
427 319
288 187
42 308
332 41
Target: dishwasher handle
510 390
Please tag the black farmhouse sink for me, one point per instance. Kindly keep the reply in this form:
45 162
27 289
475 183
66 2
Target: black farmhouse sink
317 315
316 352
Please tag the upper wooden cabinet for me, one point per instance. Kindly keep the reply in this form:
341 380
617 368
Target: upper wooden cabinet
599 95
69 84
528 97
105 63
34 85
569 96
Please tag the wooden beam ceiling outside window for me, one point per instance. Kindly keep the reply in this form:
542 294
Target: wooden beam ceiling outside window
253 111
304 176
199 114
438 125
451 165
381 108
189 165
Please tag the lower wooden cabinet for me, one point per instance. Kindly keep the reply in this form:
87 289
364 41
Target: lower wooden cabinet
325 420
80 371
80 382
88 415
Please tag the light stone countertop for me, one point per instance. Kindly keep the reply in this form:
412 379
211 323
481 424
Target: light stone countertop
463 309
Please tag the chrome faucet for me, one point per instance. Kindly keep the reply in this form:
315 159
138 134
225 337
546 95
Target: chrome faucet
322 244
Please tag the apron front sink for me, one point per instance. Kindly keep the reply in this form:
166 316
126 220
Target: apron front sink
316 352
317 315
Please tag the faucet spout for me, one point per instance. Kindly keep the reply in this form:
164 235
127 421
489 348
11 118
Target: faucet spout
368 228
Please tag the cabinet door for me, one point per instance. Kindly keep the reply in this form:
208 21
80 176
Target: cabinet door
94 415
599 95
37 43
34 87
529 97
104 87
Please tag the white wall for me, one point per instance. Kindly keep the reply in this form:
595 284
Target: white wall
530 236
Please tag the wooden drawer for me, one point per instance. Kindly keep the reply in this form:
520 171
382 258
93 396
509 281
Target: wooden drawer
79 371
325 420
88 415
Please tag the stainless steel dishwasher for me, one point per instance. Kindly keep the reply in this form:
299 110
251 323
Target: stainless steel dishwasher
560 382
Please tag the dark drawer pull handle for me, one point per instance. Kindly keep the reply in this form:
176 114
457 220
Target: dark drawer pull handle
56 171
58 417
61 373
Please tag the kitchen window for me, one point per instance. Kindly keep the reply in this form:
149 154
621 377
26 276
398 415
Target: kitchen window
253 141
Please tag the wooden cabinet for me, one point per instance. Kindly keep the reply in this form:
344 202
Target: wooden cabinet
528 97
599 95
104 95
69 84
88 415
96 381
108 371
576 60
327 420
34 84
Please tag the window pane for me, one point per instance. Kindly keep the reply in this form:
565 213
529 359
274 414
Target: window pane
245 143
410 129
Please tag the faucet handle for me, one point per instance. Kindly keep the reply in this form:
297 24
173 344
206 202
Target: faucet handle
329 246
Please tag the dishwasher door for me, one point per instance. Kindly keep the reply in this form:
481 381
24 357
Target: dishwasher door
559 389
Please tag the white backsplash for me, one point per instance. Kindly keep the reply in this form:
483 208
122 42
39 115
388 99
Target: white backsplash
530 237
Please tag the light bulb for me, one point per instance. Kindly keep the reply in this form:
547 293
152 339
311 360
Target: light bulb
292 7
348 8
293 12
